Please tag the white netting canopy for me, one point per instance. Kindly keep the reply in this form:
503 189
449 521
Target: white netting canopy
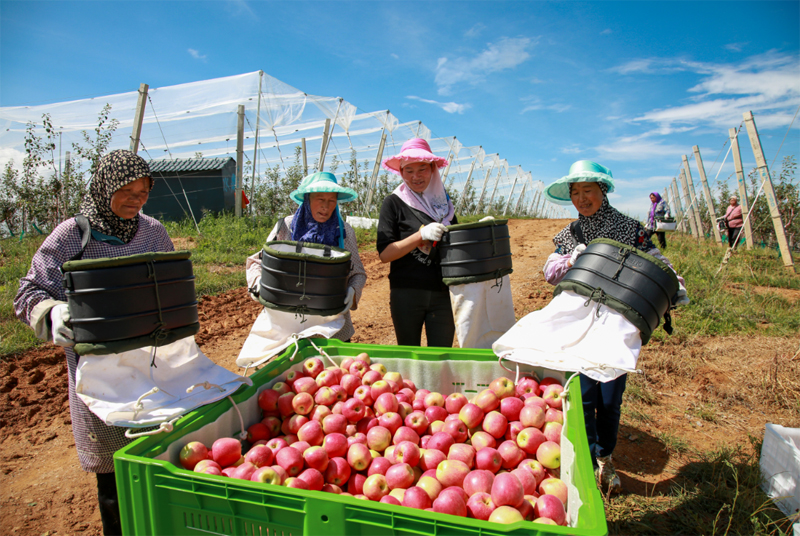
201 117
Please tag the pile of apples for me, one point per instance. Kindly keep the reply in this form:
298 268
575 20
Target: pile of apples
358 430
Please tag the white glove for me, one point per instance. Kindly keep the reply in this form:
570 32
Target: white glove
62 333
487 218
683 298
348 300
576 253
433 232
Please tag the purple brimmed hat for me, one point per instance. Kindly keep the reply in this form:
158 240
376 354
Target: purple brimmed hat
414 150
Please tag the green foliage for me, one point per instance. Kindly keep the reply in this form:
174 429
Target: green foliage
738 300
15 260
42 195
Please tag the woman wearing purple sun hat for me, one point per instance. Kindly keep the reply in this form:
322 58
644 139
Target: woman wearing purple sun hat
413 217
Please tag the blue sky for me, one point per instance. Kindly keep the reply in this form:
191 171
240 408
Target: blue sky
632 85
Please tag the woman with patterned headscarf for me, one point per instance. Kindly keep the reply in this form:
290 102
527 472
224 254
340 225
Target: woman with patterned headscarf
119 189
587 187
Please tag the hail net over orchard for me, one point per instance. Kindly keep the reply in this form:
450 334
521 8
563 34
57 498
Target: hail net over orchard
201 117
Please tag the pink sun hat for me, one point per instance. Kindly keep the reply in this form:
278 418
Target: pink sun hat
414 150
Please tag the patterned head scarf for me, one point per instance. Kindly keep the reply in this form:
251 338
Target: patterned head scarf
306 229
607 222
116 169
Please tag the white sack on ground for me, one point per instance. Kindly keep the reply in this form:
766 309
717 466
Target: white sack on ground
111 384
568 336
272 333
482 312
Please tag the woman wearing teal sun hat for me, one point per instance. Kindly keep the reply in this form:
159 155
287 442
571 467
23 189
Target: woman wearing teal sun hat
587 187
317 220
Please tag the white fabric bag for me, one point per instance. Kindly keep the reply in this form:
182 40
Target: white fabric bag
573 334
125 390
482 312
273 331
664 226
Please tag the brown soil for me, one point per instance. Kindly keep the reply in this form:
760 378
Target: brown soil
699 394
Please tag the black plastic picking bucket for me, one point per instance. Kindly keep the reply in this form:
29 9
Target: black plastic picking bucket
474 252
633 283
123 303
302 277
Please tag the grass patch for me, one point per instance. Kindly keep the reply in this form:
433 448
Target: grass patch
714 493
15 261
727 303
672 443
703 411
637 390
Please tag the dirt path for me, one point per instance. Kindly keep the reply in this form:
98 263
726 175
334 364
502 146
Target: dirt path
699 394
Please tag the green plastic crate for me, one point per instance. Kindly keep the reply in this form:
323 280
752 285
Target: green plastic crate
157 496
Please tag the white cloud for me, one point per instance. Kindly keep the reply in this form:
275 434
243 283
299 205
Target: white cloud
572 149
638 182
507 53
767 84
196 54
637 148
534 103
395 56
475 31
607 31
449 107
735 47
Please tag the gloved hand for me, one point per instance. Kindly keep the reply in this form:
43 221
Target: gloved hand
348 300
59 319
576 253
487 218
683 298
433 232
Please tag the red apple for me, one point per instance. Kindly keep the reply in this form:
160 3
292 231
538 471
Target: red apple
471 415
527 480
511 454
407 452
388 499
378 438
404 433
260 456
502 387
285 404
507 490
456 429
454 402
550 507
552 395
495 423
489 459
335 445
192 453
400 475
379 466
452 472
358 369
549 454
358 456
462 452
375 487
529 440
303 403
313 366
276 444
338 472
478 480
480 506
334 423
482 440
532 416
430 459
305 384
440 441
514 428
291 460
552 431
266 475
311 432
487 400
554 415
370 377
527 386
416 497
450 503
533 400
353 410
535 468
226 451
202 465
331 488
434 399
435 413
358 437
510 407
350 383
364 425
554 486
273 424
417 421
363 394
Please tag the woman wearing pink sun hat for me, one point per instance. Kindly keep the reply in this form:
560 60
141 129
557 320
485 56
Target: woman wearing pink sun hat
413 217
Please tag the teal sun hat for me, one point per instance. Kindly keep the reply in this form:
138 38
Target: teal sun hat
580 171
322 181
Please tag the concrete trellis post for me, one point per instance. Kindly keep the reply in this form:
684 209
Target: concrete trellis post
688 198
237 199
677 208
769 192
138 118
511 195
737 163
693 199
466 184
709 200
324 145
483 190
375 171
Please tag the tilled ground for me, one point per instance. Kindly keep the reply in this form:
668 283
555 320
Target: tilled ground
699 394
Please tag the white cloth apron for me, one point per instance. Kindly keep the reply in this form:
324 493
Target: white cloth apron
569 336
482 312
112 386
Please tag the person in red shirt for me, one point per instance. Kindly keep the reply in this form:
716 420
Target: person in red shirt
734 220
